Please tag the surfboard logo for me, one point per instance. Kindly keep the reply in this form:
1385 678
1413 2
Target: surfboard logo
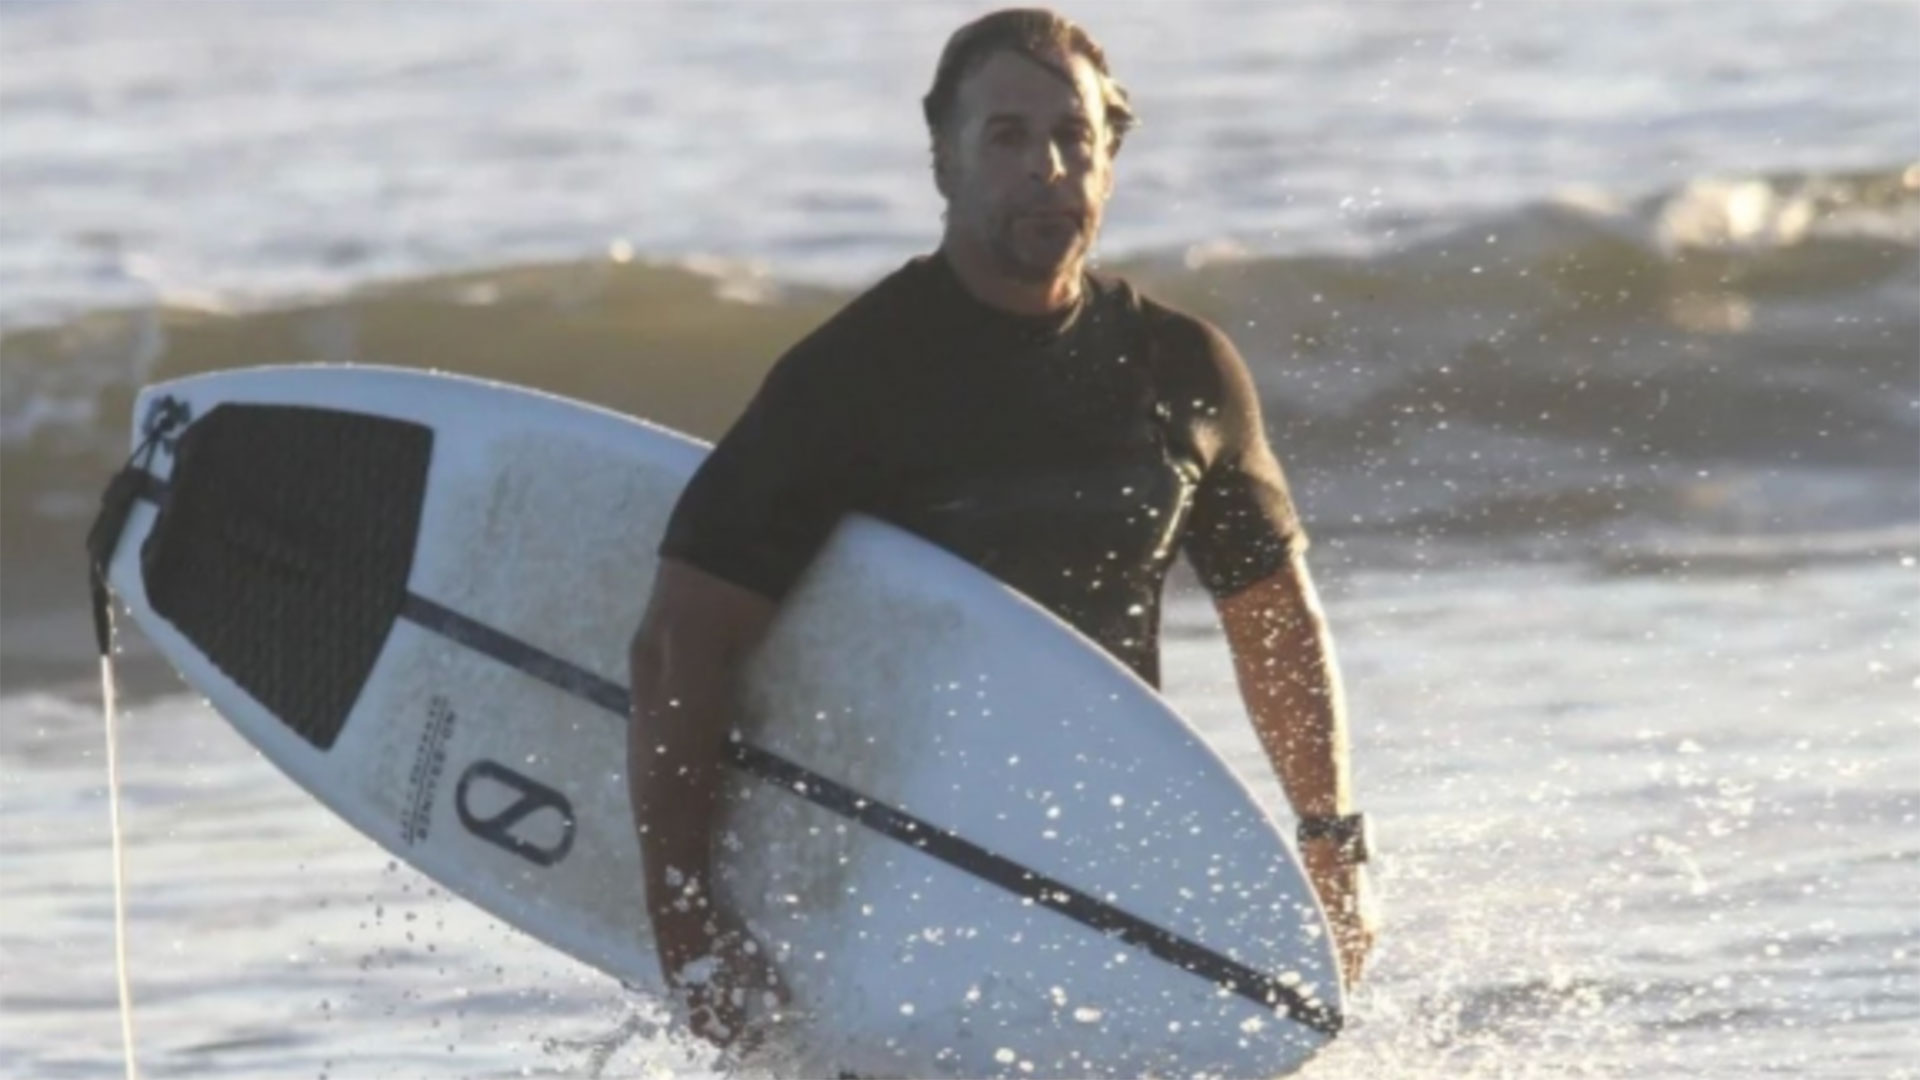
429 761
531 813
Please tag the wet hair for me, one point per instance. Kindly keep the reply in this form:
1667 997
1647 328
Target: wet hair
1036 33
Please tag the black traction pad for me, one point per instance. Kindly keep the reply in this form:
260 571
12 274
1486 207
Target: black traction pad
283 550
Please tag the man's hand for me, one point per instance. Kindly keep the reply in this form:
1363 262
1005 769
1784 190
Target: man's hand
720 972
1344 893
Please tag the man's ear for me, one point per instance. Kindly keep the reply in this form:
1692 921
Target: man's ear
943 167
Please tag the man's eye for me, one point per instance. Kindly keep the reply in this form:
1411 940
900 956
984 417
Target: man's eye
1006 136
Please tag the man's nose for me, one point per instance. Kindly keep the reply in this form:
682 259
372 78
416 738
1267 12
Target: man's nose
1046 164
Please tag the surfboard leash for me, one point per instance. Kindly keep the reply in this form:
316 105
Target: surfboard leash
122 977
103 539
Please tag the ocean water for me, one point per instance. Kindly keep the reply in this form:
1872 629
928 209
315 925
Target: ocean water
1632 827
1589 335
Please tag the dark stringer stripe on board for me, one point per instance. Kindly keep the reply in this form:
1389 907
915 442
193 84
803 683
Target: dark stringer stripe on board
897 824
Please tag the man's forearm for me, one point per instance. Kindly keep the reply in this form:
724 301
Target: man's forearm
675 754
1284 658
1283 654
683 664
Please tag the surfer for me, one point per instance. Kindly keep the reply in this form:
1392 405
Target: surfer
1055 427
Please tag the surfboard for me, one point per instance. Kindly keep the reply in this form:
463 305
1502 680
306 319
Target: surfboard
977 844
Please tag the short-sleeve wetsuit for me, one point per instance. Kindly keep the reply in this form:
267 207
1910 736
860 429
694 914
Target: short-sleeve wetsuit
1071 456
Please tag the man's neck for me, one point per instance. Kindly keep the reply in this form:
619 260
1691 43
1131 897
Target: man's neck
1015 295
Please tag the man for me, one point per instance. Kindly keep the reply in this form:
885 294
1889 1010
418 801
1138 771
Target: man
1057 429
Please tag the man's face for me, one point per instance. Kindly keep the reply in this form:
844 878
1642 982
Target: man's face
1025 163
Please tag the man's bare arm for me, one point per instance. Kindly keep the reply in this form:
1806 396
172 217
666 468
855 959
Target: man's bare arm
684 660
1283 655
1289 678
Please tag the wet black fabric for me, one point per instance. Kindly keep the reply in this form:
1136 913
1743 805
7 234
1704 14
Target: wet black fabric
1071 456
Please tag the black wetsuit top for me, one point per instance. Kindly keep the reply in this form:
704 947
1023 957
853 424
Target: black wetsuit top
1071 456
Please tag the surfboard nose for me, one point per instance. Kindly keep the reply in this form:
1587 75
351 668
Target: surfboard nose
282 549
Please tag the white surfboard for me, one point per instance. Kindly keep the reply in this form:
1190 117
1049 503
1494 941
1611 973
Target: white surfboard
978 845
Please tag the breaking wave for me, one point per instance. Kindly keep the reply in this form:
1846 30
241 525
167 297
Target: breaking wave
1733 359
